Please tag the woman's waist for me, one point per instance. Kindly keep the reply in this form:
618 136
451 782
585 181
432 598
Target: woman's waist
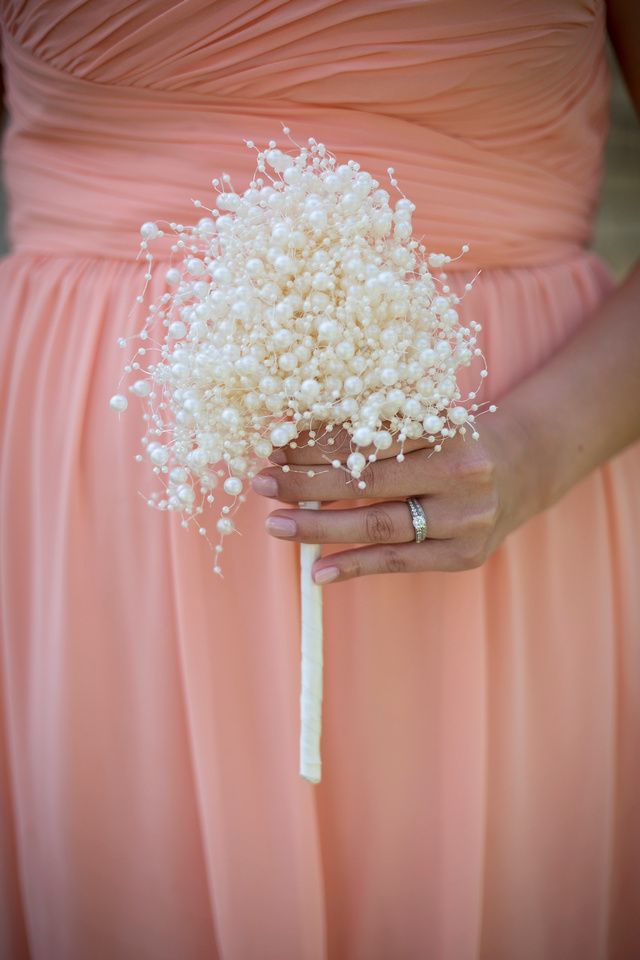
69 196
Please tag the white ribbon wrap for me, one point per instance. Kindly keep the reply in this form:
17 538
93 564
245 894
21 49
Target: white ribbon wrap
311 643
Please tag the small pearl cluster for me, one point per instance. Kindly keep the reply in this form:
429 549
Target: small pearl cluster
302 303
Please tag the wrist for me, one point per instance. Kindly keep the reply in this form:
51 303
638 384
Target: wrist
530 459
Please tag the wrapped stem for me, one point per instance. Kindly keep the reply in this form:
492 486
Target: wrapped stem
312 661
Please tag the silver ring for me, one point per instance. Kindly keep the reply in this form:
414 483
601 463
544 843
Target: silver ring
418 519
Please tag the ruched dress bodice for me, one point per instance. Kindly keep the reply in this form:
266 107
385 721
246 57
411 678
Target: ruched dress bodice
493 116
479 727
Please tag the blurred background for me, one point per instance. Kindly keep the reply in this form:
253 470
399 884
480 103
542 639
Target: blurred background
617 228
617 233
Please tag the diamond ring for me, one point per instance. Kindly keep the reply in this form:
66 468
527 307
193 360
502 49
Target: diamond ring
418 519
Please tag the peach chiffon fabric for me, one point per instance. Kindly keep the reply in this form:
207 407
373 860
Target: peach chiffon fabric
480 778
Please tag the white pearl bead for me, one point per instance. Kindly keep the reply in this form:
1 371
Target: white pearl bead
345 350
356 462
317 219
177 330
291 385
353 386
288 362
159 455
149 230
225 526
208 481
185 494
412 407
119 403
458 415
230 417
414 430
348 407
362 437
427 357
197 459
310 388
280 436
206 225
263 448
141 388
328 331
291 175
284 264
389 376
277 159
270 385
321 281
233 486
447 387
195 266
238 465
255 266
382 439
424 387
432 423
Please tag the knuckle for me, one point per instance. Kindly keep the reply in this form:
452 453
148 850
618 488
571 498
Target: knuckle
483 468
353 568
483 519
378 525
292 487
471 555
393 561
370 477
477 468
317 528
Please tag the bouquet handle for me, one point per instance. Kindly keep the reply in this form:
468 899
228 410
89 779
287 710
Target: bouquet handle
311 660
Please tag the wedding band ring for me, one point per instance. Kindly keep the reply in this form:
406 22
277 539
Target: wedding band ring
418 519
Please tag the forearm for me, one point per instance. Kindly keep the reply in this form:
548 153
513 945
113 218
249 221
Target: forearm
583 406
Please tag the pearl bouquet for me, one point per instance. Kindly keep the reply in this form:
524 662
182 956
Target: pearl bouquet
298 308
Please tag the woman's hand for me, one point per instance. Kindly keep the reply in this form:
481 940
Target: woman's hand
473 492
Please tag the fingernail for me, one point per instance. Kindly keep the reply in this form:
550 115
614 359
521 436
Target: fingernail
267 486
281 526
326 575
278 456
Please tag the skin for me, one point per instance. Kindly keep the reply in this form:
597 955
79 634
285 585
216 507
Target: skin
476 492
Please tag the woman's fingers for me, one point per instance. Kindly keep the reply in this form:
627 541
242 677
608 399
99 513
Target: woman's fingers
391 558
420 472
387 522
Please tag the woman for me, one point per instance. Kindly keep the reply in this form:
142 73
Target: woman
481 703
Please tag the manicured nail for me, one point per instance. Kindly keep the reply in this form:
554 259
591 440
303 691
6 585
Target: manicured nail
326 574
266 486
281 526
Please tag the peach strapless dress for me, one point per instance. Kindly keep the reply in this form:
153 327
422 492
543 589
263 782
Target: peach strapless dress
480 781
